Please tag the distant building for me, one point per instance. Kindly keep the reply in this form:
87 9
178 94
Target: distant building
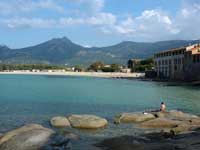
125 70
179 64
132 63
107 66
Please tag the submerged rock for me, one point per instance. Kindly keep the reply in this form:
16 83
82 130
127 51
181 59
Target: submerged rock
70 135
87 121
28 137
58 142
59 122
133 117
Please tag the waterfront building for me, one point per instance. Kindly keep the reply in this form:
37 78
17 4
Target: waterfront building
132 63
125 70
179 64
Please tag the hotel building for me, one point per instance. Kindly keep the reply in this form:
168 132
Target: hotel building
179 64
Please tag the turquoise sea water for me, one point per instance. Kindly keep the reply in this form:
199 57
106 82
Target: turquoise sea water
35 99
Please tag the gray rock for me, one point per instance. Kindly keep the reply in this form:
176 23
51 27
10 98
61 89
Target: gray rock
180 114
59 122
186 126
87 121
174 114
160 123
154 141
29 137
133 117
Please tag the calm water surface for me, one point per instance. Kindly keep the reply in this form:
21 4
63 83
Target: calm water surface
35 99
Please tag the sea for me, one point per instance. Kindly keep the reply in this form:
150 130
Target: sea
28 99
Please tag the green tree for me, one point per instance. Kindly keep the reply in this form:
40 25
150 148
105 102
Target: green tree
143 65
111 68
115 67
78 68
96 66
148 61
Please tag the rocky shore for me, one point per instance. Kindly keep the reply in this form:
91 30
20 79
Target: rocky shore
173 130
153 141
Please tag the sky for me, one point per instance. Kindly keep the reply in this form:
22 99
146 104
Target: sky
97 22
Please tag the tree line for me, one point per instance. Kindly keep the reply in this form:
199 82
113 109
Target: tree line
141 66
11 67
100 66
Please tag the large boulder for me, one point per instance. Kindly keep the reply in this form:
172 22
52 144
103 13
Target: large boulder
87 121
175 114
187 125
181 129
160 123
59 122
175 121
134 117
28 137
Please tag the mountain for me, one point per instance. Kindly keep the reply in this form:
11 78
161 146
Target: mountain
64 51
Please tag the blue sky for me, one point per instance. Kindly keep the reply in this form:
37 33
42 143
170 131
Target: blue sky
97 22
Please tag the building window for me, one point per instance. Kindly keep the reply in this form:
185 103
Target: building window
175 68
165 62
175 61
197 58
169 62
179 61
194 59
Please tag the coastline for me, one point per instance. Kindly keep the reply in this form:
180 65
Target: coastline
84 74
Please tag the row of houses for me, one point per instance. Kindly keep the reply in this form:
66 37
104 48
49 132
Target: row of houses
179 64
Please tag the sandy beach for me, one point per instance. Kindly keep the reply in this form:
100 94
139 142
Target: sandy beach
86 74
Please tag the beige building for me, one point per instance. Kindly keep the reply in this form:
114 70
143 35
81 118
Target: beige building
179 64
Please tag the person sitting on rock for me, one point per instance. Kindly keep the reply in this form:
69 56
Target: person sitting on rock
162 107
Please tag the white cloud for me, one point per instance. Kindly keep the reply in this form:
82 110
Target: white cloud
27 23
100 19
22 6
155 24
154 15
150 24
188 20
125 27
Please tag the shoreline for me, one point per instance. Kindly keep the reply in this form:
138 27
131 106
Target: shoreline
83 74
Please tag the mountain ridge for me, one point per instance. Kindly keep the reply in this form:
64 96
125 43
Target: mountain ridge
64 51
